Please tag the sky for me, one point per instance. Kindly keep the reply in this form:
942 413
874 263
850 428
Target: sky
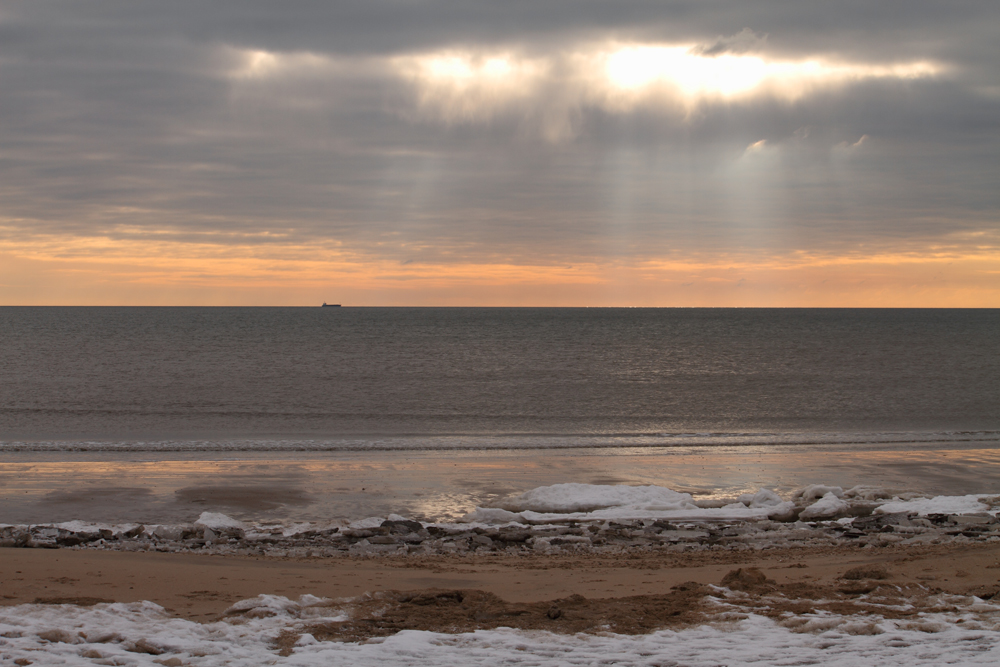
505 153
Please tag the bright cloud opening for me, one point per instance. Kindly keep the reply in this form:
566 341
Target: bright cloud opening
619 77
467 86
639 66
473 86
728 75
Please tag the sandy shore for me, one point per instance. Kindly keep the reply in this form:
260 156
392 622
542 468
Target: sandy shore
202 587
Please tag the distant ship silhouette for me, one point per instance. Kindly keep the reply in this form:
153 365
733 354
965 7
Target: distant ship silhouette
330 305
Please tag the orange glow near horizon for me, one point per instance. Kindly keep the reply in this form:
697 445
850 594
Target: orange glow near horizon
115 272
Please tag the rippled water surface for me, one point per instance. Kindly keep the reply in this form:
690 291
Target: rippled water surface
356 378
156 414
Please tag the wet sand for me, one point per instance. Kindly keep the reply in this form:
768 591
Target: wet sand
37 487
201 587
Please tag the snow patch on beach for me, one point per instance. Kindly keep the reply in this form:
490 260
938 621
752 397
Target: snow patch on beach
591 502
939 505
826 507
556 508
142 633
576 498
218 522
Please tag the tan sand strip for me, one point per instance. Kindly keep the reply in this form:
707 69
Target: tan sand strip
203 587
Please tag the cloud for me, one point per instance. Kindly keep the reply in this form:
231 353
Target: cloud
470 86
474 133
744 41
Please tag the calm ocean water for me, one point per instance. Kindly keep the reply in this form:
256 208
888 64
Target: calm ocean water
187 379
156 414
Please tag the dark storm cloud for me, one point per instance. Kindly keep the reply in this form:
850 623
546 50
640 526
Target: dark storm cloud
127 118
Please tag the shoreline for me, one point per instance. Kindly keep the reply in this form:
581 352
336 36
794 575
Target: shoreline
441 486
202 587
633 569
828 602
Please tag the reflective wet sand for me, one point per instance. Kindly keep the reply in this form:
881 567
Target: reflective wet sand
37 487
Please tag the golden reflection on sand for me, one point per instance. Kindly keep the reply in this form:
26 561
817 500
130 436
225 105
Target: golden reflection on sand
446 484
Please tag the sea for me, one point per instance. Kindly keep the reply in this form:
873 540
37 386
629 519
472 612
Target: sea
159 413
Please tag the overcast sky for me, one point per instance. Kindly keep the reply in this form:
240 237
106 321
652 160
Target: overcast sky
544 152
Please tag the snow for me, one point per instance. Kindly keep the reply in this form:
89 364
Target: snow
569 498
218 522
827 506
115 633
763 498
869 493
295 529
560 503
817 491
593 502
734 512
278 605
938 505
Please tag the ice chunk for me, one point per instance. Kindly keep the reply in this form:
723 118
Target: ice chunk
370 522
816 491
734 512
215 524
266 604
218 522
716 503
568 498
827 506
589 502
867 493
763 498
295 529
938 505
308 600
81 526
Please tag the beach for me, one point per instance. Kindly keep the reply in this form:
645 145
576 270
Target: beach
539 334
87 606
201 588
477 486
614 563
